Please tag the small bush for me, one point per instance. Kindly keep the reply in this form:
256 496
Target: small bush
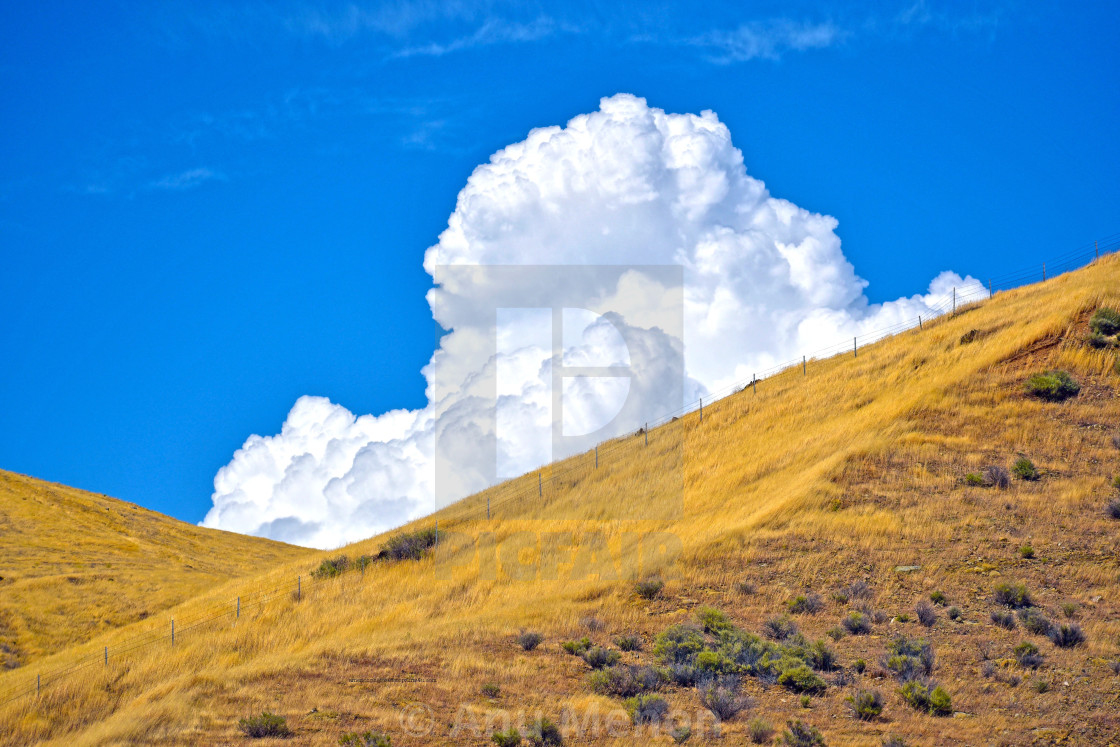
940 704
628 643
624 681
363 562
490 690
1024 469
1026 552
836 632
1067 635
866 704
938 597
529 640
577 648
1114 666
1012 595
1099 341
970 336
860 666
857 623
544 732
916 694
801 679
591 623
746 588
681 734
798 734
1004 619
715 663
1026 653
649 588
803 604
684 675
713 621
1113 509
1034 621
720 697
1053 386
858 590
332 567
265 725
954 613
410 545
511 738
996 477
893 741
646 709
909 658
779 628
1116 482
974 478
806 701
1069 609
678 644
903 617
820 656
367 739
1041 686
1105 321
926 614
598 657
760 731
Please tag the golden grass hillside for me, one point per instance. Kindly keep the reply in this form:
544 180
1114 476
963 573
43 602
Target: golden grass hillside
848 486
74 564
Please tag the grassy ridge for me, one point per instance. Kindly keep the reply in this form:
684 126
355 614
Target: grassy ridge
853 473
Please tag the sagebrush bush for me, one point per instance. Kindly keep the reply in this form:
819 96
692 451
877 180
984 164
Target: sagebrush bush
332 567
265 725
836 632
1034 621
953 613
746 587
801 679
713 621
857 623
491 690
649 588
1011 595
858 590
529 640
543 732
1004 619
1053 386
779 628
974 478
678 644
865 704
646 709
1026 552
1024 469
893 741
909 658
1113 509
820 656
1067 635
1026 653
760 731
926 614
996 476
511 738
598 657
921 697
365 739
1041 686
1105 321
721 697
938 597
410 545
803 604
798 734
628 643
625 681
577 648
681 734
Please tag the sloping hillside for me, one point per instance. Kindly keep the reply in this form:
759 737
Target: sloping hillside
849 486
74 564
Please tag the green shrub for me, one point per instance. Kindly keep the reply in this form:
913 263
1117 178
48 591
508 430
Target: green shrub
954 613
624 681
490 690
801 679
866 704
938 597
1053 386
857 623
681 734
1067 635
903 617
910 658
1069 609
529 640
678 644
836 632
714 663
805 604
916 695
1034 621
511 738
363 562
1004 619
940 704
1099 341
544 732
974 478
1105 321
760 731
628 643
598 657
860 666
577 648
366 739
1041 686
265 725
798 734
332 567
779 628
893 741
1116 482
746 587
1024 469
1012 595
1026 653
806 701
820 656
646 709
649 588
713 621
410 545
1026 552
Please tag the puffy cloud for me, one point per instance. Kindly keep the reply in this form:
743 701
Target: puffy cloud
763 282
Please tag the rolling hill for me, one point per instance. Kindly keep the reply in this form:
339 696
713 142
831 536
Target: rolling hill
839 534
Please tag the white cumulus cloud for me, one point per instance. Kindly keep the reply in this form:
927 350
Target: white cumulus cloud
764 281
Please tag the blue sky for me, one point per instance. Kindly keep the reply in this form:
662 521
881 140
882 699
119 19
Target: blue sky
208 210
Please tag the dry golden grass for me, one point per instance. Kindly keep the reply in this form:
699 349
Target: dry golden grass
74 564
811 483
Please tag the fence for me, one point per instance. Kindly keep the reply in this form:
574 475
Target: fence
166 634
